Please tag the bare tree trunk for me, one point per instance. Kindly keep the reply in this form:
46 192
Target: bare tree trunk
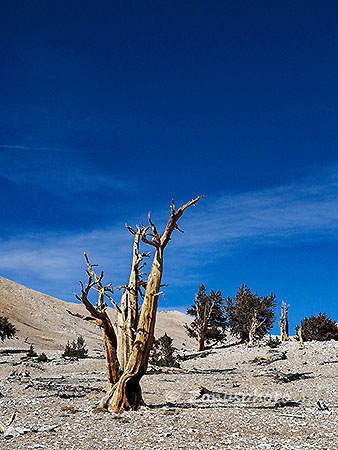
100 317
287 323
201 340
300 336
127 395
253 329
128 392
110 344
255 324
284 322
127 320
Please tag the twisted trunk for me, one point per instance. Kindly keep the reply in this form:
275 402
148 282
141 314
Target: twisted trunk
112 364
128 395
127 319
201 341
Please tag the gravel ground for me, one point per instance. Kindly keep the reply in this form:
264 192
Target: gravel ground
65 394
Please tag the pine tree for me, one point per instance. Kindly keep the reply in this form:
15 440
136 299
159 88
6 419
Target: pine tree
318 328
7 330
163 352
209 324
250 316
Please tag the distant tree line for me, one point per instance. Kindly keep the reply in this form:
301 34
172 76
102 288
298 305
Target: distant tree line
248 316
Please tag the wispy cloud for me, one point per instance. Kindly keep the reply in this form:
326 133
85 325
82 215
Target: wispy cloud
285 215
56 170
56 261
306 210
28 148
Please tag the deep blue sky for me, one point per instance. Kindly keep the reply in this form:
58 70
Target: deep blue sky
108 109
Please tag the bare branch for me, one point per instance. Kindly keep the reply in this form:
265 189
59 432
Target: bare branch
116 306
156 236
130 229
87 319
160 293
174 217
178 228
172 207
152 243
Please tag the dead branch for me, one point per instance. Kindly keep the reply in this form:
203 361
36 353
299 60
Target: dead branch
288 377
86 318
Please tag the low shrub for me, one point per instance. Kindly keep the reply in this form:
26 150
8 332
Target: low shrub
42 358
31 352
273 343
76 349
318 328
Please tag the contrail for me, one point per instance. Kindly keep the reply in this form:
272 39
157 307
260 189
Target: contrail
25 147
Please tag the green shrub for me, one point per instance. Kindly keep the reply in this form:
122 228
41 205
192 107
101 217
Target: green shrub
318 328
42 358
76 349
163 352
273 343
31 352
7 330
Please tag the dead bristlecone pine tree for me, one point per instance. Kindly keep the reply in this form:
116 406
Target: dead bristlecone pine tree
284 322
128 340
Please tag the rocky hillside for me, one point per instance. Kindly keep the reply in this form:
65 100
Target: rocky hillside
44 321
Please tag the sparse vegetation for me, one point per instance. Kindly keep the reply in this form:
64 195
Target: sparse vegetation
42 358
163 352
69 409
99 410
31 352
76 349
318 328
250 316
209 324
273 343
7 330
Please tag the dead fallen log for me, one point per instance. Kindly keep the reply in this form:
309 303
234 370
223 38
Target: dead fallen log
159 369
207 395
173 370
202 354
9 431
292 416
288 377
265 360
11 351
322 405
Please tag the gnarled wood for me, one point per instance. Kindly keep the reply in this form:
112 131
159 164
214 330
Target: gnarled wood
127 318
102 320
127 394
284 322
300 336
255 324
